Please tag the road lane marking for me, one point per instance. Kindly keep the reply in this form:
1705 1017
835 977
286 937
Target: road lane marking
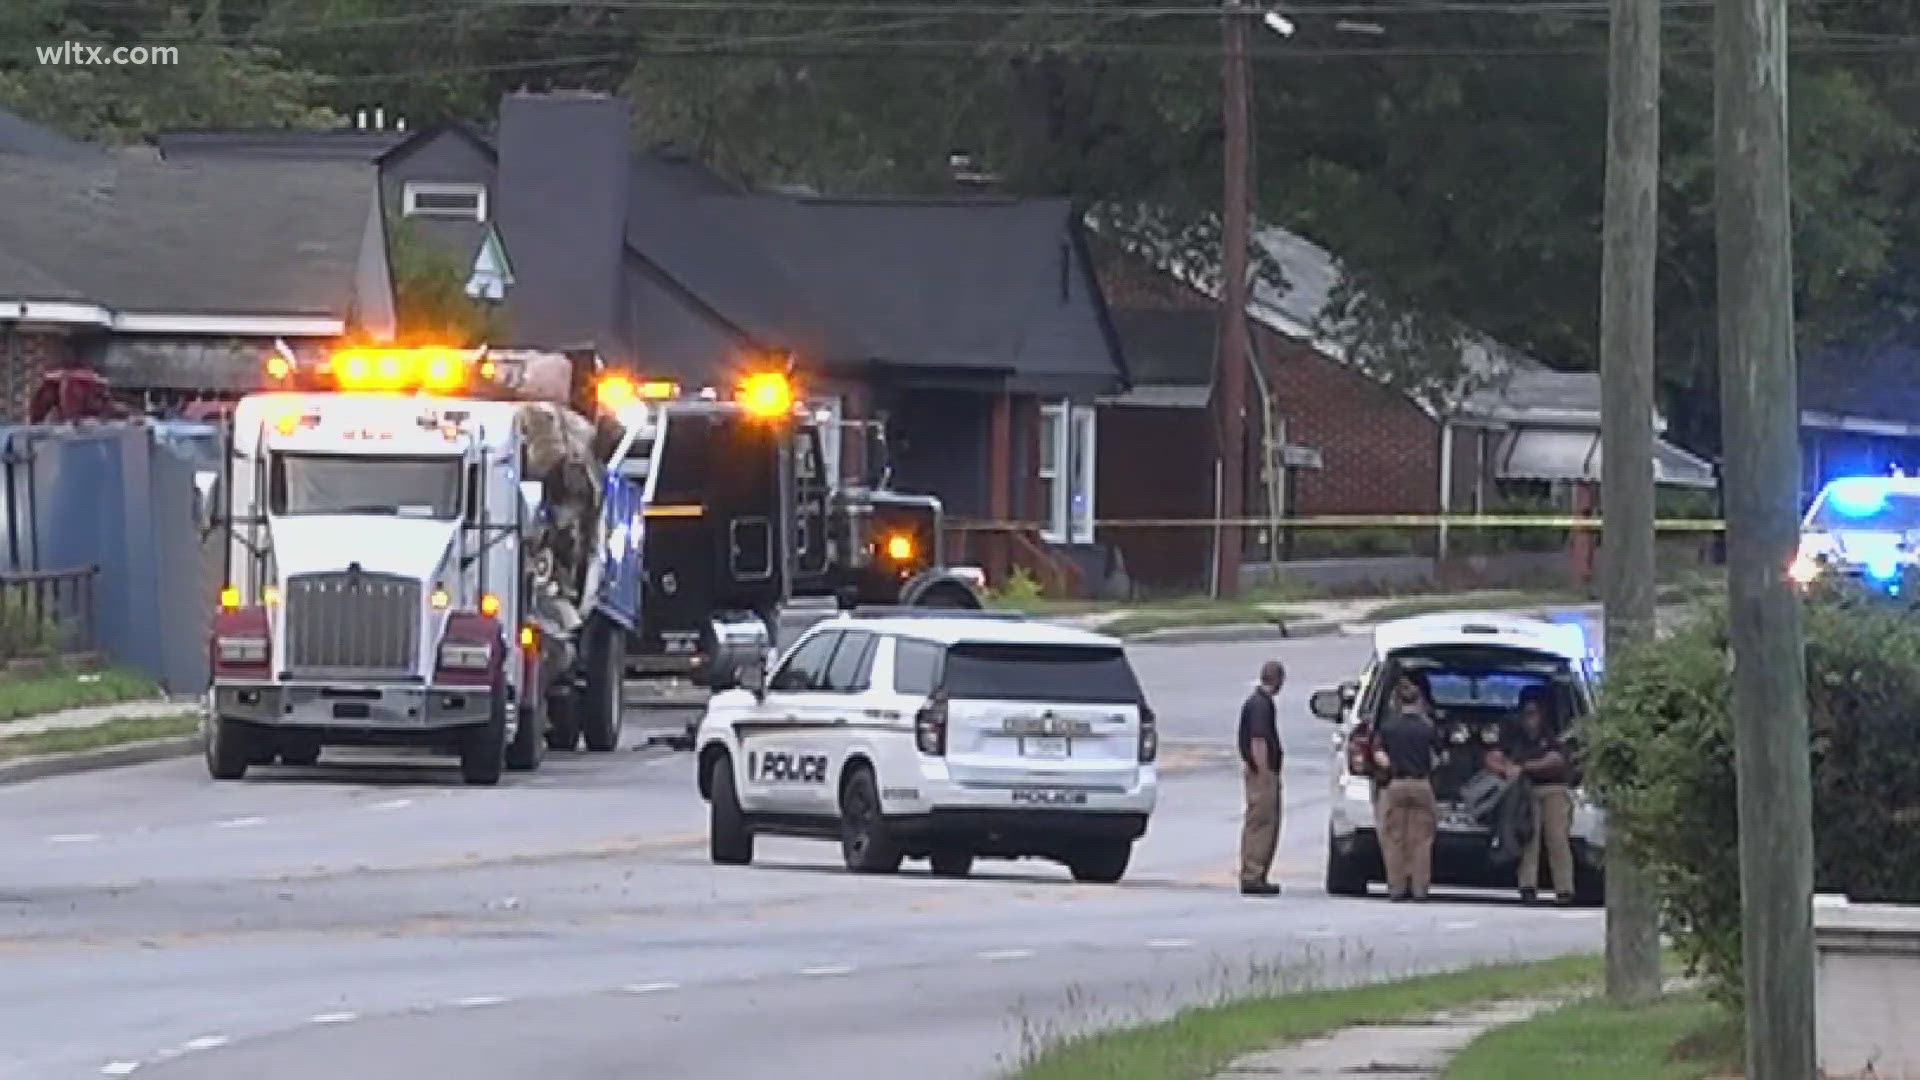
392 804
334 1018
242 822
1006 954
1317 935
650 988
1579 914
1170 943
206 1042
74 838
831 969
119 1068
1466 924
479 1002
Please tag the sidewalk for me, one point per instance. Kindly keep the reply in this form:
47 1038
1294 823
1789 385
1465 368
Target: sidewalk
93 715
1415 1049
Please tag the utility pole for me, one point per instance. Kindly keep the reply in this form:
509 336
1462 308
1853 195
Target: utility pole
1759 400
1231 364
1626 414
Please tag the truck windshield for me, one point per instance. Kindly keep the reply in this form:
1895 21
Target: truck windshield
418 487
1864 507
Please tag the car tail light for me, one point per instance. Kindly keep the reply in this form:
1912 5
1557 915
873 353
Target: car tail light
930 727
241 645
1149 734
1360 751
469 650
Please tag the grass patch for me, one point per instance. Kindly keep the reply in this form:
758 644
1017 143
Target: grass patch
1177 617
54 690
1498 599
1197 1042
1679 1037
114 732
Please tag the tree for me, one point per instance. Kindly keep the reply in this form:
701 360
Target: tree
429 291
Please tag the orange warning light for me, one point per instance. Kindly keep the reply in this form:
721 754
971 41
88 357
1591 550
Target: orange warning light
766 395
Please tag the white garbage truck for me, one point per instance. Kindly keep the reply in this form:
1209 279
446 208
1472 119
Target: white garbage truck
418 555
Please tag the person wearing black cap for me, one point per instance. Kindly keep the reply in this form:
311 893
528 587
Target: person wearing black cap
1408 816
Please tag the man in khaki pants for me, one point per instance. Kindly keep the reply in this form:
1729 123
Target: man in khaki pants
1539 754
1260 759
1403 751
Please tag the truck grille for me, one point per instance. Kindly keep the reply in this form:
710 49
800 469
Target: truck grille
352 624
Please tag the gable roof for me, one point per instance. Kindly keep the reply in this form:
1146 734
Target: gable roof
226 238
18 135
1871 379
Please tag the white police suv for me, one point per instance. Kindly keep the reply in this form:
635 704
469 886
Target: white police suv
936 734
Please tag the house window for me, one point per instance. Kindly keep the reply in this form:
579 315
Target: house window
1066 471
463 201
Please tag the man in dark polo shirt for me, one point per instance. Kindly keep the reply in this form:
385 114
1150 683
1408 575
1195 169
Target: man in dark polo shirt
1260 758
1403 752
1534 751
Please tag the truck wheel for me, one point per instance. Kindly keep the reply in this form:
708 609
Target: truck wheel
483 750
729 841
529 746
230 748
563 729
1101 863
866 843
605 705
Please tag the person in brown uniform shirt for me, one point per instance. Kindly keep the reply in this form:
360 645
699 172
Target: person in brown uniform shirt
1537 753
1403 752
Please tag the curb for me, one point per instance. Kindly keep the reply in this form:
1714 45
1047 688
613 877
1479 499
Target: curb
41 766
1232 633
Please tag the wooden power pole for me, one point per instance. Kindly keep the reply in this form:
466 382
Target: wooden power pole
1627 410
1231 364
1759 402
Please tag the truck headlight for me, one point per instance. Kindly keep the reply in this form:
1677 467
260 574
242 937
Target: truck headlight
469 657
242 650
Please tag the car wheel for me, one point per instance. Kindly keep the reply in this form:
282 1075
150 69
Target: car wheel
1101 864
1589 887
865 841
729 841
230 748
1345 875
953 862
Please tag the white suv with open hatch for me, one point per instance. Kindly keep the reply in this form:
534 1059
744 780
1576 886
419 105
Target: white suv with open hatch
936 734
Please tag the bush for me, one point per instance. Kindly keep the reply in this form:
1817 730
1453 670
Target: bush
24 634
1661 757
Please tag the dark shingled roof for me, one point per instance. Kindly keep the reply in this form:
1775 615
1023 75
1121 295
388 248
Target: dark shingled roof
344 144
211 237
1876 378
1168 348
18 135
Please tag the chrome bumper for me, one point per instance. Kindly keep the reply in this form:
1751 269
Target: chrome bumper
357 707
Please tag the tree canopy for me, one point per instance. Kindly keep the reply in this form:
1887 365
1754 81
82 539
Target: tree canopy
1452 156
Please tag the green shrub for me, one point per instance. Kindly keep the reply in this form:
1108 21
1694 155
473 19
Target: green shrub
24 634
1021 587
1661 757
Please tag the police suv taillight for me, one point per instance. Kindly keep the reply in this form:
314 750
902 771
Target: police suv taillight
930 727
1149 734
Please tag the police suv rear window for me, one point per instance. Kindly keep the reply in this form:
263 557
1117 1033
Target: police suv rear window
1002 672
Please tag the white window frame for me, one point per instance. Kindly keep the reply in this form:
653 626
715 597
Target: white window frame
411 191
1072 433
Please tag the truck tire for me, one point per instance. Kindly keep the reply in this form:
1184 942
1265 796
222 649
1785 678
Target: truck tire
563 729
529 746
604 711
729 841
483 750
230 748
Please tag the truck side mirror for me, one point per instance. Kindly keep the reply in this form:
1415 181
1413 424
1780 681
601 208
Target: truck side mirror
206 499
1328 705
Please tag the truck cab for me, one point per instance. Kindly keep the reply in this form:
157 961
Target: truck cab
383 586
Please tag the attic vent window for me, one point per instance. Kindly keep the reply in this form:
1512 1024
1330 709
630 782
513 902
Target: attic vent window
467 202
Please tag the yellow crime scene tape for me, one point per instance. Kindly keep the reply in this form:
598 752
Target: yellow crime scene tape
1357 521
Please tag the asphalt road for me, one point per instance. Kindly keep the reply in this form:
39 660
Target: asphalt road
378 920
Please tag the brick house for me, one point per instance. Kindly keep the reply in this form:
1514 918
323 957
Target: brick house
1342 443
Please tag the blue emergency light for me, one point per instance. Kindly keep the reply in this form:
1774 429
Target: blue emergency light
1858 496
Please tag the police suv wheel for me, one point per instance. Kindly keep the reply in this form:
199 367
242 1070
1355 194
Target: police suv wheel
1345 876
951 862
230 749
729 841
865 842
1101 863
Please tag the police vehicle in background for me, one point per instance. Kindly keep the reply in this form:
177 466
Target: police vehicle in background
1476 665
1864 529
943 735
